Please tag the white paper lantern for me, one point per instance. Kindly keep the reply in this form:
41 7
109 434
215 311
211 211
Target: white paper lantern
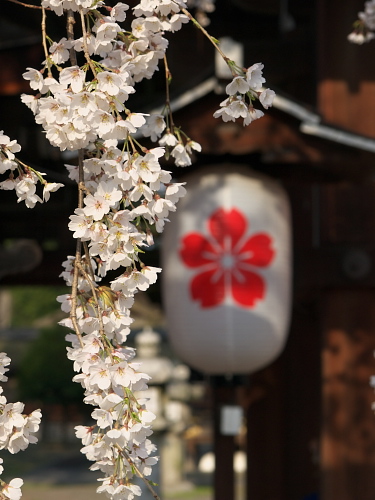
227 271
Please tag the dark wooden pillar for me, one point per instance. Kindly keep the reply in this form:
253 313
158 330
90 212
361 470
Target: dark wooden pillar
266 435
224 393
283 416
347 448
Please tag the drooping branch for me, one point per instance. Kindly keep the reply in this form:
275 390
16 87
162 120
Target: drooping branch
70 22
139 473
30 6
44 41
85 45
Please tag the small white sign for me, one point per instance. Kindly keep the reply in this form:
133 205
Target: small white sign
231 420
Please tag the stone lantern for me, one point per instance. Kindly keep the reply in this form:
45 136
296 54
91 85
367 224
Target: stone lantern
159 368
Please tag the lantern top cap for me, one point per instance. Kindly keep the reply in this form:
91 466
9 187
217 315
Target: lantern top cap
147 337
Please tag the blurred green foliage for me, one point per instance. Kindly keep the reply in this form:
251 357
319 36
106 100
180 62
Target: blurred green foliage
45 373
32 302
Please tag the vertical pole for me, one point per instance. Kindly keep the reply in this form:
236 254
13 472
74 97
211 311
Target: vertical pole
224 446
266 448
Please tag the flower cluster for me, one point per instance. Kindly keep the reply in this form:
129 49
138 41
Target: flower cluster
125 194
17 431
243 87
114 238
364 27
22 178
75 111
175 142
81 101
118 443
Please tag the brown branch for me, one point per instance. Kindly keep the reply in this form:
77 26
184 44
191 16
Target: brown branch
28 5
168 78
44 38
70 22
74 294
88 259
78 255
85 46
95 297
138 472
81 179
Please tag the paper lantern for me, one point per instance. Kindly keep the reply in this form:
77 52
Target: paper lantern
227 271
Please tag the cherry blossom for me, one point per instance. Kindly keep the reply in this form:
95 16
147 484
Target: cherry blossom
60 50
16 432
237 85
364 27
50 187
266 98
245 87
13 489
25 183
36 79
254 76
4 362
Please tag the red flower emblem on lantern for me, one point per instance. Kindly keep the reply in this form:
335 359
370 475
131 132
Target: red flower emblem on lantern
227 261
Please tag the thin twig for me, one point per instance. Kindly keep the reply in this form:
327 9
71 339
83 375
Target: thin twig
74 294
95 297
139 473
88 259
28 5
85 46
78 255
81 178
44 38
70 22
168 78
